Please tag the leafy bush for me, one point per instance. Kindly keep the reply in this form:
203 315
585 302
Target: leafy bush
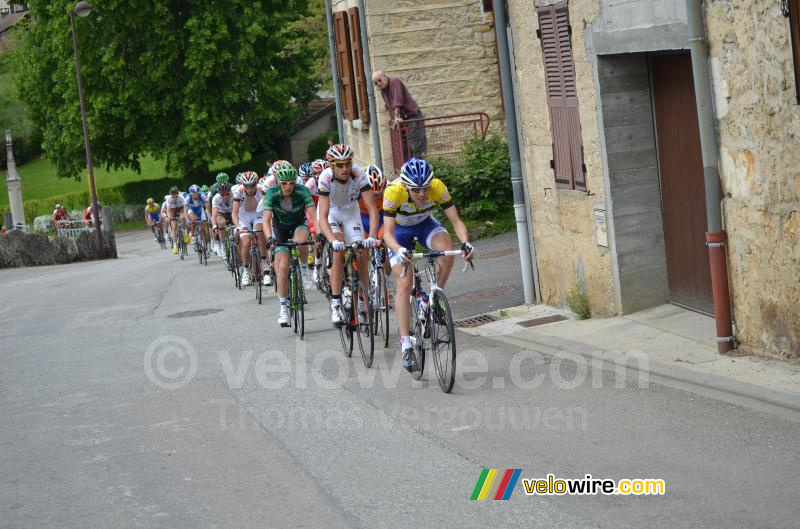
482 185
318 146
578 302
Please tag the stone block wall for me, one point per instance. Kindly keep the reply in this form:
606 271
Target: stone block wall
758 124
563 221
444 52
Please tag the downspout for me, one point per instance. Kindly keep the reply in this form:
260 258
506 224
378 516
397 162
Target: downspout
373 114
716 237
523 232
335 70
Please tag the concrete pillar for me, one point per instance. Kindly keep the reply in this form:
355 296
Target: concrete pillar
14 185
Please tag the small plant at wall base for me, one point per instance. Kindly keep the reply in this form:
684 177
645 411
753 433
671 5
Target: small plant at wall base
578 302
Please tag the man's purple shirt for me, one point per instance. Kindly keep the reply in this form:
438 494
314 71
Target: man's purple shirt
396 95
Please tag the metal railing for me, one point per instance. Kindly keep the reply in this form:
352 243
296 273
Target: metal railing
444 136
71 229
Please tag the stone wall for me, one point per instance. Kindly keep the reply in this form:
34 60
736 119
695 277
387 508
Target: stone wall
19 249
563 221
444 52
759 135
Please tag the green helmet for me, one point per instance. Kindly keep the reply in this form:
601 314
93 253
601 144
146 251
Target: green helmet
222 177
286 172
204 189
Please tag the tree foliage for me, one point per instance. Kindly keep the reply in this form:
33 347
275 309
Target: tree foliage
187 81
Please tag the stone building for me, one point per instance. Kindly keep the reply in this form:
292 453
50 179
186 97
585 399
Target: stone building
443 50
611 152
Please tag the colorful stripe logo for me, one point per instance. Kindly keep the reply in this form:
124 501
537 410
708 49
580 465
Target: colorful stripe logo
496 484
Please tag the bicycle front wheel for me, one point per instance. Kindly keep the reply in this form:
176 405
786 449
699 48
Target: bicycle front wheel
346 331
380 306
364 328
417 324
443 340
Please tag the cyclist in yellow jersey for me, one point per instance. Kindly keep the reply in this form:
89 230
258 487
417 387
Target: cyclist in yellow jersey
152 215
407 206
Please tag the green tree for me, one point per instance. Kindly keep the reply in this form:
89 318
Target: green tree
187 81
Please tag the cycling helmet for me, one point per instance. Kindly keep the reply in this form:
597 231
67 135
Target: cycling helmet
194 188
249 178
339 153
285 172
304 170
174 190
204 189
416 173
222 177
223 188
149 201
317 166
376 178
239 178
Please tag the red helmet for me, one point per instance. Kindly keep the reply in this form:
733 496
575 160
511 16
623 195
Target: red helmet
339 153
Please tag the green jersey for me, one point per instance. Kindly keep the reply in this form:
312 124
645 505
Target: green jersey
291 210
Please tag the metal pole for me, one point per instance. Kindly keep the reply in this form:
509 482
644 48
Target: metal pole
715 236
523 233
89 166
373 112
335 70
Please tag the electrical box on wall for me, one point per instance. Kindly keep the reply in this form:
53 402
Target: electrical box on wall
599 211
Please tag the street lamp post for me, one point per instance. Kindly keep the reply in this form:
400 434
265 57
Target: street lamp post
83 9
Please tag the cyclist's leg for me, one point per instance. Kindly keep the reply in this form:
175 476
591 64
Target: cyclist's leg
337 267
354 232
262 246
437 238
405 238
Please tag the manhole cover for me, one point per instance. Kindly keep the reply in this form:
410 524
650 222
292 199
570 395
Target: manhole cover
475 321
193 313
541 321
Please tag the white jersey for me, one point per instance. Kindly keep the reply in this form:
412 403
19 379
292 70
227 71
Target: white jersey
175 202
222 205
343 194
311 184
241 195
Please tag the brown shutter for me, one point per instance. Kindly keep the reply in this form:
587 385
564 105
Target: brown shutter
358 62
562 97
794 29
345 64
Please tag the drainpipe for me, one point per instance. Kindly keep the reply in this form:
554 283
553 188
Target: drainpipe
373 114
335 69
716 237
523 232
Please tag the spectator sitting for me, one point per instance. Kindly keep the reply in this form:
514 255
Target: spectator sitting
87 216
60 217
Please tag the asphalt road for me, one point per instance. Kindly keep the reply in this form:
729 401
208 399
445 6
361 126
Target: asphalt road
267 431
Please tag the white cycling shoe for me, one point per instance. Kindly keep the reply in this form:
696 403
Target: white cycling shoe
246 281
283 317
267 280
337 318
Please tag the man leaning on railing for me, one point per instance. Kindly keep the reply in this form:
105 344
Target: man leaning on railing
401 106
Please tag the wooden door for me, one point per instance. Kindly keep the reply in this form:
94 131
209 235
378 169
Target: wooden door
682 188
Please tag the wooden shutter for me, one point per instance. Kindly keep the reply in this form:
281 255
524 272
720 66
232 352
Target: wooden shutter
358 62
345 64
794 29
562 96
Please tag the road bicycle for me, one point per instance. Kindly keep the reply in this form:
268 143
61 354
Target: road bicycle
160 237
256 270
200 245
325 256
357 308
432 321
379 294
232 258
297 295
183 240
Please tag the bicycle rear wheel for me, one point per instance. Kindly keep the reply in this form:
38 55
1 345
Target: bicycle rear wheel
346 331
380 306
443 340
419 341
364 327
255 266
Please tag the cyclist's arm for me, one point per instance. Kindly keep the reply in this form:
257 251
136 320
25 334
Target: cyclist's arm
235 213
267 225
458 225
388 233
374 217
324 225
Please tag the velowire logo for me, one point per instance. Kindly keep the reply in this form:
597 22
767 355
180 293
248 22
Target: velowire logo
496 484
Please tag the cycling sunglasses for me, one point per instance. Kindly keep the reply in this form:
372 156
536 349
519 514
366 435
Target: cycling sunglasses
341 164
418 190
249 186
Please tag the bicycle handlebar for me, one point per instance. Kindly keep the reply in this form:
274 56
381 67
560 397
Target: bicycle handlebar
431 254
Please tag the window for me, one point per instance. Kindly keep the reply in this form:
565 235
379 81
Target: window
794 29
487 6
562 98
358 65
350 60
